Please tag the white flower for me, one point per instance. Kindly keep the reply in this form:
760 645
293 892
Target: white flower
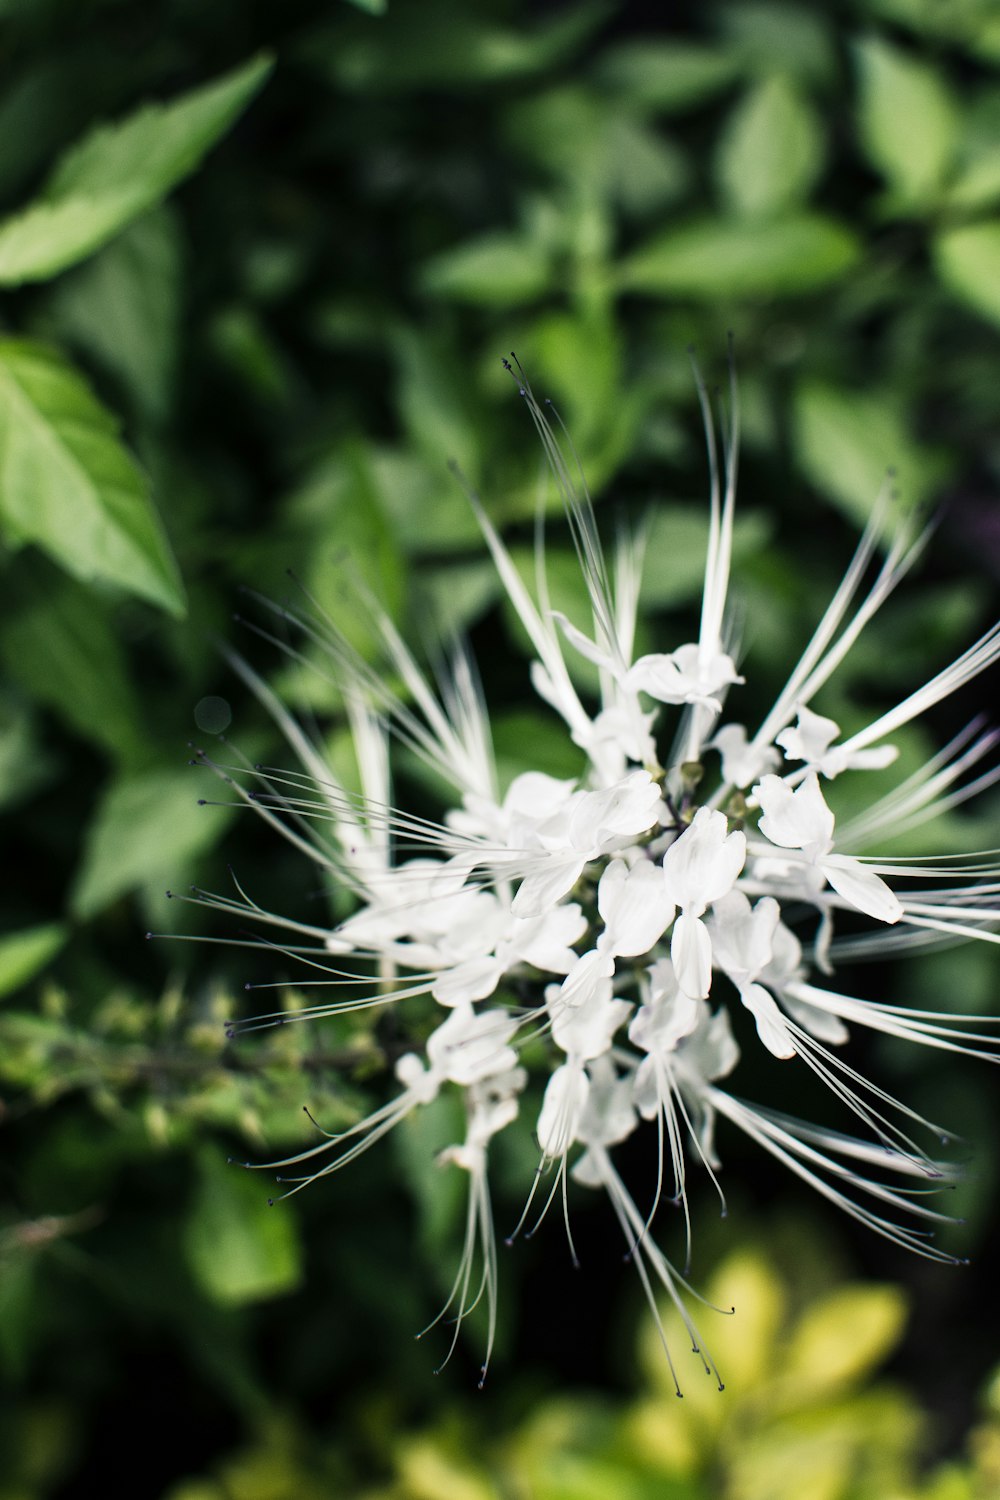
801 820
699 868
812 738
595 914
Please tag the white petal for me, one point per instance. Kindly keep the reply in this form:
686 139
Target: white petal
794 820
540 892
691 955
634 906
469 981
771 1026
565 1097
703 864
546 941
861 887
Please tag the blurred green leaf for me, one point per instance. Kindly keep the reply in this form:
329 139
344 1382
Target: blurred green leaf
770 152
24 764
118 171
64 648
438 45
846 442
148 829
240 1250
773 39
665 76
676 547
840 1339
908 121
968 261
495 270
68 484
122 310
596 144
23 954
713 258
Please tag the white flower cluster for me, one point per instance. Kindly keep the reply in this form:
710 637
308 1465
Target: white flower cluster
620 917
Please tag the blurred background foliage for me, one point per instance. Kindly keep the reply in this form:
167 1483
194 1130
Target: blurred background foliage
258 267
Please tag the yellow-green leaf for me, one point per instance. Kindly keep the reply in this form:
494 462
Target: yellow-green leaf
968 261
771 150
840 1339
24 953
713 258
908 121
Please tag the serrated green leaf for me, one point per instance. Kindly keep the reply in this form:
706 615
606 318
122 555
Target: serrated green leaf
68 484
122 310
968 261
23 954
238 1249
847 442
148 830
713 258
495 270
117 172
771 150
908 121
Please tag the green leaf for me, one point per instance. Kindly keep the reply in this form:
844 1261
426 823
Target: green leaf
147 832
908 122
23 954
770 152
977 184
238 1249
840 1339
24 764
666 76
68 484
64 650
495 270
596 144
122 310
847 441
712 258
117 172
767 36
968 261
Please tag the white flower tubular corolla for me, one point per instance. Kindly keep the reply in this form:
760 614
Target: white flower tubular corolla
700 867
576 928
